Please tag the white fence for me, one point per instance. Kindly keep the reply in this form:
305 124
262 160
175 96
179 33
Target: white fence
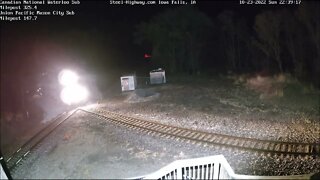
3 174
211 167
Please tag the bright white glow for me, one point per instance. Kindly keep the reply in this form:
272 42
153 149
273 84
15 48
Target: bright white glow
67 77
74 94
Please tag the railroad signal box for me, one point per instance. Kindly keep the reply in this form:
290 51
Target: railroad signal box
158 76
128 83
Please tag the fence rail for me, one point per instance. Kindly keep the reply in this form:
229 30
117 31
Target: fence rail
211 167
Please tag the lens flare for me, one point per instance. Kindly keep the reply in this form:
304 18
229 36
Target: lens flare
67 77
73 94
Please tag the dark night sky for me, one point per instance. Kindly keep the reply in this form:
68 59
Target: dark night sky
113 21
100 16
100 10
96 13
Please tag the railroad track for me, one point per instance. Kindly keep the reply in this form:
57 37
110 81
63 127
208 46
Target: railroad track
172 132
27 147
210 139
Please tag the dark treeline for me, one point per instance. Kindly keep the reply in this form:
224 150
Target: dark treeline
279 41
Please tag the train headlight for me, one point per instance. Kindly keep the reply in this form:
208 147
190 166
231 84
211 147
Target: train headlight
67 77
73 94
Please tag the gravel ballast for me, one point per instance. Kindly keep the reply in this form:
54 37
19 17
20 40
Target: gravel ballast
87 147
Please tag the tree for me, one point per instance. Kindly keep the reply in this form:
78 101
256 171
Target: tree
294 40
177 37
228 41
235 40
268 28
309 15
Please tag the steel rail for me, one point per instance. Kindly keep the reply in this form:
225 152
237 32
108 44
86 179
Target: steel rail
210 139
26 148
172 132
